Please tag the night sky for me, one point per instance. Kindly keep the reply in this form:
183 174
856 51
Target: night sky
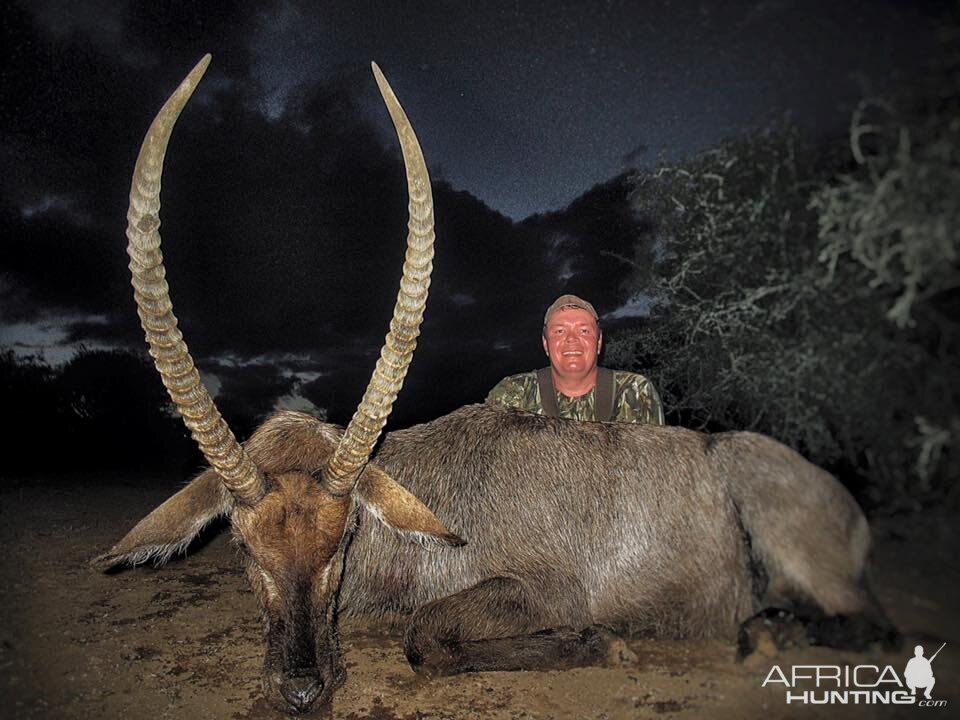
284 205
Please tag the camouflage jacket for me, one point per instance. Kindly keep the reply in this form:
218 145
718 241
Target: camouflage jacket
635 399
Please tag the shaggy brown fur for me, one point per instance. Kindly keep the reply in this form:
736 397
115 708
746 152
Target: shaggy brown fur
571 526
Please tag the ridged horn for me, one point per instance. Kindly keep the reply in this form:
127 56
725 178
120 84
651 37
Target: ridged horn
342 471
167 347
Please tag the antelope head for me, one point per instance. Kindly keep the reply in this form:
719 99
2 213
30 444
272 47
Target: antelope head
293 490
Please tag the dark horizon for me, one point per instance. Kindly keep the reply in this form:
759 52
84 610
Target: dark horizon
284 207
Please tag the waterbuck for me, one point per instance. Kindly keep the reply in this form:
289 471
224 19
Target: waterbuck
574 529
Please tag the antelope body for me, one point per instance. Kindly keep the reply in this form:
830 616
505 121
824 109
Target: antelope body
571 528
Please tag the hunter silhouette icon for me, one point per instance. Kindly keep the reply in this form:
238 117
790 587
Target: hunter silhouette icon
919 673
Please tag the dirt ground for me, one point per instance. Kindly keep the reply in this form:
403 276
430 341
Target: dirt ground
183 641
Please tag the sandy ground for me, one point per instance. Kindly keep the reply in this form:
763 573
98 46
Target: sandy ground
183 641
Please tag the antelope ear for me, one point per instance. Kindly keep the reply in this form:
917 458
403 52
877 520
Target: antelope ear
399 509
171 527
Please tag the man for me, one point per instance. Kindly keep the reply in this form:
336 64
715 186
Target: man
573 387
919 673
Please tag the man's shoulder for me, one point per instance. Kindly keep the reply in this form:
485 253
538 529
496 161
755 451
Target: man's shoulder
514 390
636 399
627 374
623 378
528 376
519 380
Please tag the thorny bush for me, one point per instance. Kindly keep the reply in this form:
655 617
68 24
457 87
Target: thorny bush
811 295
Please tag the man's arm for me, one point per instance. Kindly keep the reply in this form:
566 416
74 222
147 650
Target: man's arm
656 418
637 400
516 391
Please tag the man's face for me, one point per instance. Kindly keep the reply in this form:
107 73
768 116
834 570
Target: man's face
572 341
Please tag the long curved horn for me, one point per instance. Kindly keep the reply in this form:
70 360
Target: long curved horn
167 348
341 473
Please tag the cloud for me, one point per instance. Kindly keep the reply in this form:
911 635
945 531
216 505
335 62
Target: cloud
295 401
49 339
283 232
637 306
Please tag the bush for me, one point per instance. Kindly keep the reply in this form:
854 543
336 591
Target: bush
810 297
101 410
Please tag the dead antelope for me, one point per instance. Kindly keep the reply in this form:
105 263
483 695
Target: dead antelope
574 528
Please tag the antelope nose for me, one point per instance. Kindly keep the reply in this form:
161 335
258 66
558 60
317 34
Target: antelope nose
300 691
